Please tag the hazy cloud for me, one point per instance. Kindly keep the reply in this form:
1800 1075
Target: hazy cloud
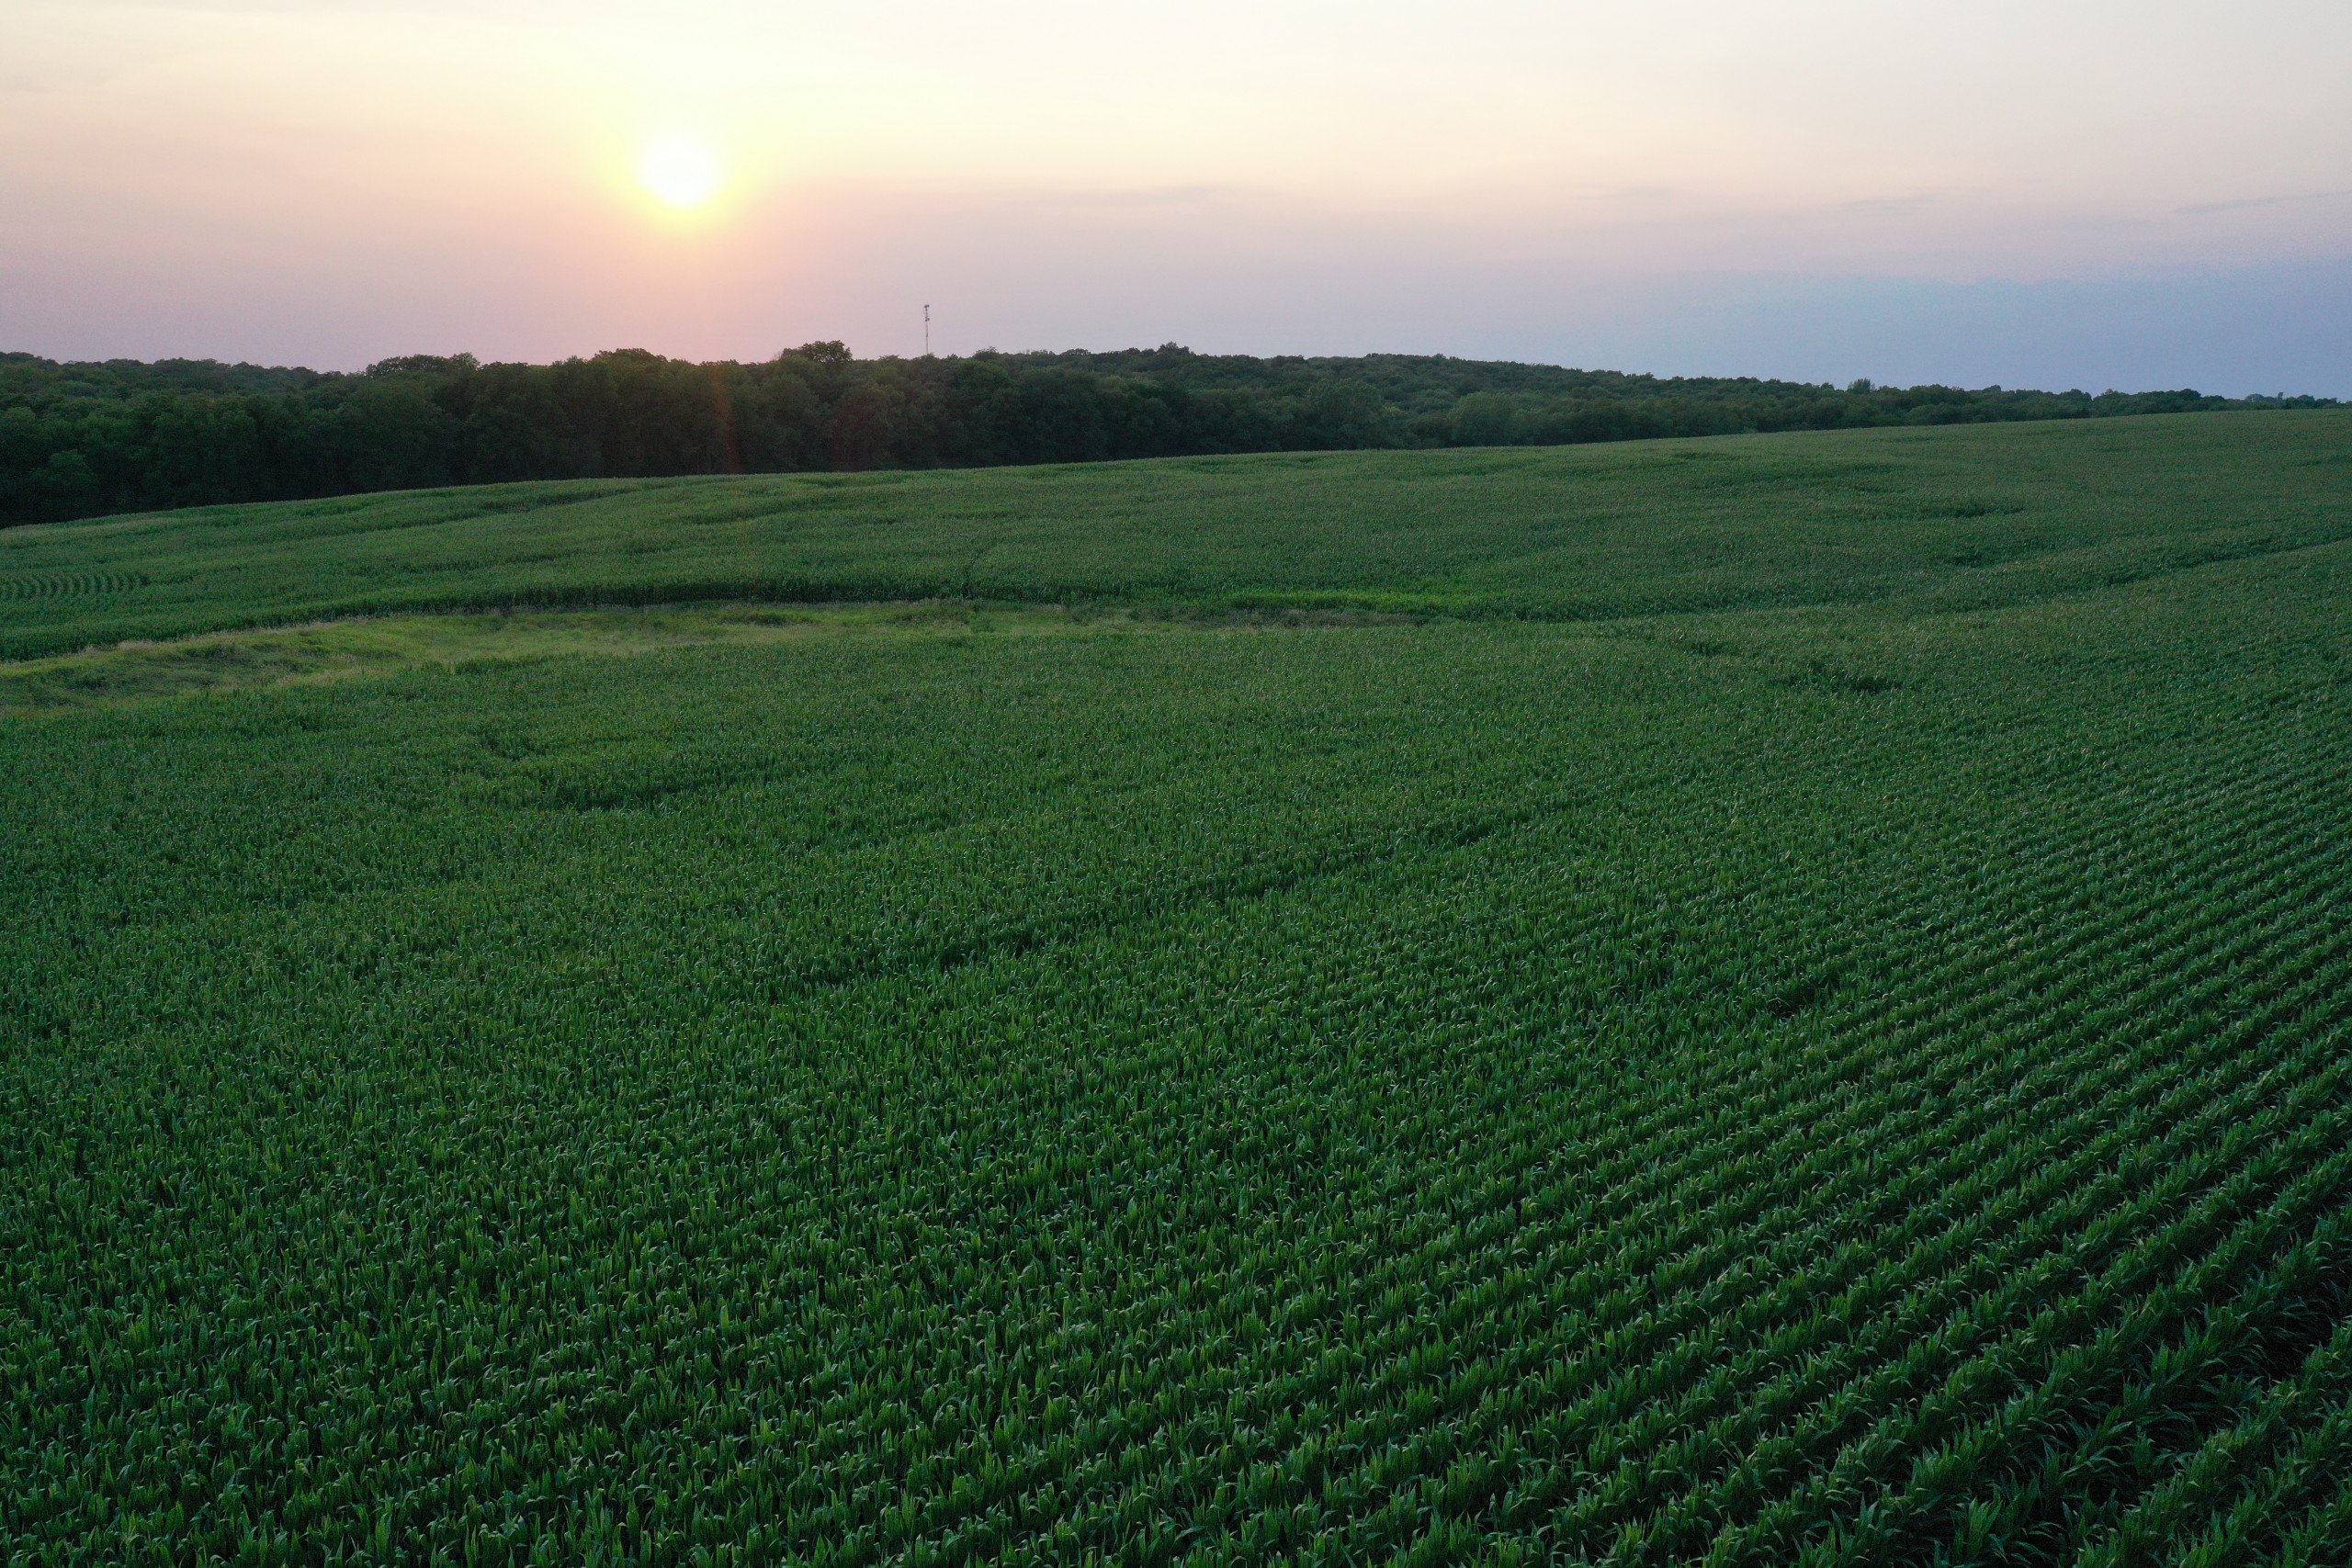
1148 195
1887 206
2247 204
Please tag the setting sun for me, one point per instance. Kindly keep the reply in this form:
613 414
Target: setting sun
680 170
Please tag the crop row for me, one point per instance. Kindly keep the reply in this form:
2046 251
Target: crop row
1420 1094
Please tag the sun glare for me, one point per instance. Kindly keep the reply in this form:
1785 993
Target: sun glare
681 171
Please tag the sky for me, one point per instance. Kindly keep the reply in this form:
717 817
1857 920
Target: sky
2092 193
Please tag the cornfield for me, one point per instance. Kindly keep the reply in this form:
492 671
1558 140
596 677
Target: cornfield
1775 1001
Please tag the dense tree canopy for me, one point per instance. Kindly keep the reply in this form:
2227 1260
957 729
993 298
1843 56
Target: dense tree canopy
83 440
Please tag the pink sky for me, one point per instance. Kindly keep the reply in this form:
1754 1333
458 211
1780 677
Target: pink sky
1731 187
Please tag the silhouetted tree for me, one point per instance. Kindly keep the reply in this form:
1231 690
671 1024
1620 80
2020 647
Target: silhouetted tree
82 439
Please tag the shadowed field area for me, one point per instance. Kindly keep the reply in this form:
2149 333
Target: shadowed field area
1937 518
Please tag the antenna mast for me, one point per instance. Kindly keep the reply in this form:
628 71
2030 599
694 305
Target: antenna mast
926 331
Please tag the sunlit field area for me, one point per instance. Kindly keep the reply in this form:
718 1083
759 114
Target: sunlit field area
1772 1000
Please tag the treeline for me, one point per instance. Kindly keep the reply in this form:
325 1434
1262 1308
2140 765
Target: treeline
84 440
